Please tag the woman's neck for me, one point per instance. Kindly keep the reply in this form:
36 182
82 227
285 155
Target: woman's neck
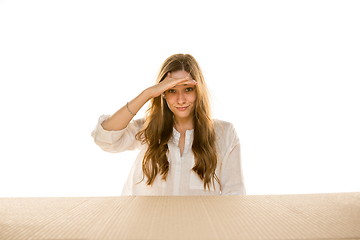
181 125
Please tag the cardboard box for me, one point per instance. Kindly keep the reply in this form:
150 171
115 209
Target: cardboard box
305 216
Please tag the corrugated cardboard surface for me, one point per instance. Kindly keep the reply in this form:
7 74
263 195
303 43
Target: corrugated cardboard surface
308 216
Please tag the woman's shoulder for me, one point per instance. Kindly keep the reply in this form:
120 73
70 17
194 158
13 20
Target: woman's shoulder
222 125
224 128
226 132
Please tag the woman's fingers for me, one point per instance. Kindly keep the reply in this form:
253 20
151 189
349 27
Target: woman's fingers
180 80
191 82
186 80
172 82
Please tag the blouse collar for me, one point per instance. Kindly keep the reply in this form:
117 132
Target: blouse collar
189 136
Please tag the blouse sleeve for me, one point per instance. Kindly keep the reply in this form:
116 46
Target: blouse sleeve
231 175
117 141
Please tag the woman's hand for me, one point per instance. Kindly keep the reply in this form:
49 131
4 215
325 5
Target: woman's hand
168 83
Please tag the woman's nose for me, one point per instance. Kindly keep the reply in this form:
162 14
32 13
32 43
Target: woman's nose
181 98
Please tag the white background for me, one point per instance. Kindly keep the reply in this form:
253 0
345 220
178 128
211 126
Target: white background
285 73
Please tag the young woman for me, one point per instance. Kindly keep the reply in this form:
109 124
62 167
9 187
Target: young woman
183 151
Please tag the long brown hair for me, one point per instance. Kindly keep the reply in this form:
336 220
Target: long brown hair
159 124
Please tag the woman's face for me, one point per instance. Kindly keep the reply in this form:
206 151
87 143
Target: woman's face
181 98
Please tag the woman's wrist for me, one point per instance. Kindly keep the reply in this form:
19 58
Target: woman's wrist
148 94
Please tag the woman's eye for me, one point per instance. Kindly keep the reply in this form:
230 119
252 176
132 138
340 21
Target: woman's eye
171 91
189 89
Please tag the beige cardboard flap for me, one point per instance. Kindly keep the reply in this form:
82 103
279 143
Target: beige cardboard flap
308 216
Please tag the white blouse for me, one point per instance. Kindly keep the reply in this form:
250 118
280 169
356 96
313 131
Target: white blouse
181 180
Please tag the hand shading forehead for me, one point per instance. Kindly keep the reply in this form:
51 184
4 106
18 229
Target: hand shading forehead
182 86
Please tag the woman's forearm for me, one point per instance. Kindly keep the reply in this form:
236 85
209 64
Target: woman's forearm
120 119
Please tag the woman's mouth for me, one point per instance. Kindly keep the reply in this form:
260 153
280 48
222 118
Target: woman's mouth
182 108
